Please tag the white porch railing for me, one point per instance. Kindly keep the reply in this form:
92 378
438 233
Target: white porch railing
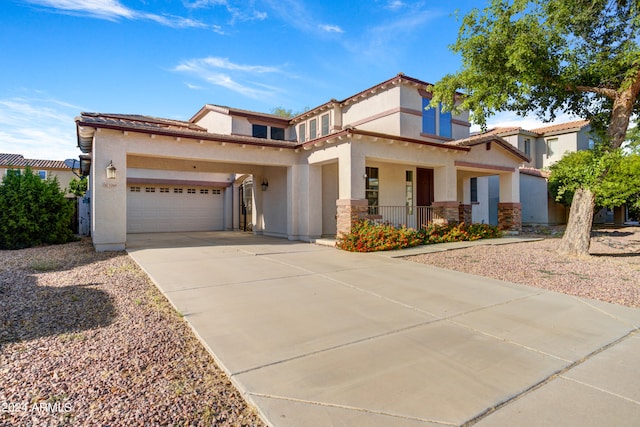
409 216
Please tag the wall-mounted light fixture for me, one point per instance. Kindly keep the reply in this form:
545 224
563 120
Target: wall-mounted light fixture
264 185
365 176
111 170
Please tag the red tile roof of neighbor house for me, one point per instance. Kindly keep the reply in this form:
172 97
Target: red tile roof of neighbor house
578 124
18 160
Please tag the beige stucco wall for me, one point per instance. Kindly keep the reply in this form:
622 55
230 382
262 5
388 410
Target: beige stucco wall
216 122
566 143
64 176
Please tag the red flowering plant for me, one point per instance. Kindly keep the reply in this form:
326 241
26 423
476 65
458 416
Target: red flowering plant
366 236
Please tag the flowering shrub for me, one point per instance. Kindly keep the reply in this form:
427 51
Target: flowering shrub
366 236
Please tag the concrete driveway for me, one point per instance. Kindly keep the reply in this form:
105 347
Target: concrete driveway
314 336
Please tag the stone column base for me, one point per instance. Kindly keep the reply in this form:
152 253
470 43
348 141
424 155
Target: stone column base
349 212
446 212
464 213
510 216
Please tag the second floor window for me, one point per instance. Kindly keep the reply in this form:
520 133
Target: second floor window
313 129
302 132
277 133
324 123
527 147
434 121
259 131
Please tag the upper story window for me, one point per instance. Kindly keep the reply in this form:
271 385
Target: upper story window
259 131
324 125
313 128
42 174
277 133
552 147
11 172
434 121
527 147
302 132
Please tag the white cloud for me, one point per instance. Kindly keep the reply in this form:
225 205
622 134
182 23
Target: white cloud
212 70
38 128
241 12
331 28
113 10
395 5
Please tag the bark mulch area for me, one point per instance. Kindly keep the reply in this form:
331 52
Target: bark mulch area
87 339
611 273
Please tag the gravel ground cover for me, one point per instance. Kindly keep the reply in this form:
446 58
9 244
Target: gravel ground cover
87 339
611 273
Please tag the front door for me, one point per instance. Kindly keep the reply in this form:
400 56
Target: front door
424 187
424 195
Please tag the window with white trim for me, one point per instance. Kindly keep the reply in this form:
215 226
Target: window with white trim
42 174
313 128
324 125
302 132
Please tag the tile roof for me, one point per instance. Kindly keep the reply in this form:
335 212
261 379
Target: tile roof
578 124
485 138
165 127
18 160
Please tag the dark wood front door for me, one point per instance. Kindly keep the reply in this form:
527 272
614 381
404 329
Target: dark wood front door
424 187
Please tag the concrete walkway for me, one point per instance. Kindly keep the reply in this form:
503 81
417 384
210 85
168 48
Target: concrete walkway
314 336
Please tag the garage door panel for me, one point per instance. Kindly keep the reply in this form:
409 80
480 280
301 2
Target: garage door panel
154 211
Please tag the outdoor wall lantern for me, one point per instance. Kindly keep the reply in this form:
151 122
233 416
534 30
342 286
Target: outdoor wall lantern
264 185
111 170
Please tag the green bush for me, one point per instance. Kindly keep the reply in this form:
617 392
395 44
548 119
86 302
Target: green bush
366 236
33 211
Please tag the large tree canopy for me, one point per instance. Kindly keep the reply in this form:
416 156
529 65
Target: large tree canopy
549 56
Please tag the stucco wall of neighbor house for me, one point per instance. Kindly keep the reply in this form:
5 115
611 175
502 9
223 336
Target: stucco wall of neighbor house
583 138
64 177
216 122
534 199
565 143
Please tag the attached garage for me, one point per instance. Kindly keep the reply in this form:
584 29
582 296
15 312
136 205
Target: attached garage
155 208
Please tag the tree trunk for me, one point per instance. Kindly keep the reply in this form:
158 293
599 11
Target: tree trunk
577 236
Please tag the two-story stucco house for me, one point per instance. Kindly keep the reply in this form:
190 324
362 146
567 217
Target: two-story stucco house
379 153
16 163
544 146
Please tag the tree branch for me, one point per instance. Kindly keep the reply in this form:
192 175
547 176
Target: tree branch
606 92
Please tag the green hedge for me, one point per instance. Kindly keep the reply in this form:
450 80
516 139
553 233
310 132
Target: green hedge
366 236
33 211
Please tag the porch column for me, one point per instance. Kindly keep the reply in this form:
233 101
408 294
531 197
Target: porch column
352 204
109 196
445 204
509 207
257 212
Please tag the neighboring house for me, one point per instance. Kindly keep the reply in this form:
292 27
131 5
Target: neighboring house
16 163
545 146
378 154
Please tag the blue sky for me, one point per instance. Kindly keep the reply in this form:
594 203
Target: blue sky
169 58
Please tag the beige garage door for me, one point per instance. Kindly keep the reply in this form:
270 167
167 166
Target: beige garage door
162 208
